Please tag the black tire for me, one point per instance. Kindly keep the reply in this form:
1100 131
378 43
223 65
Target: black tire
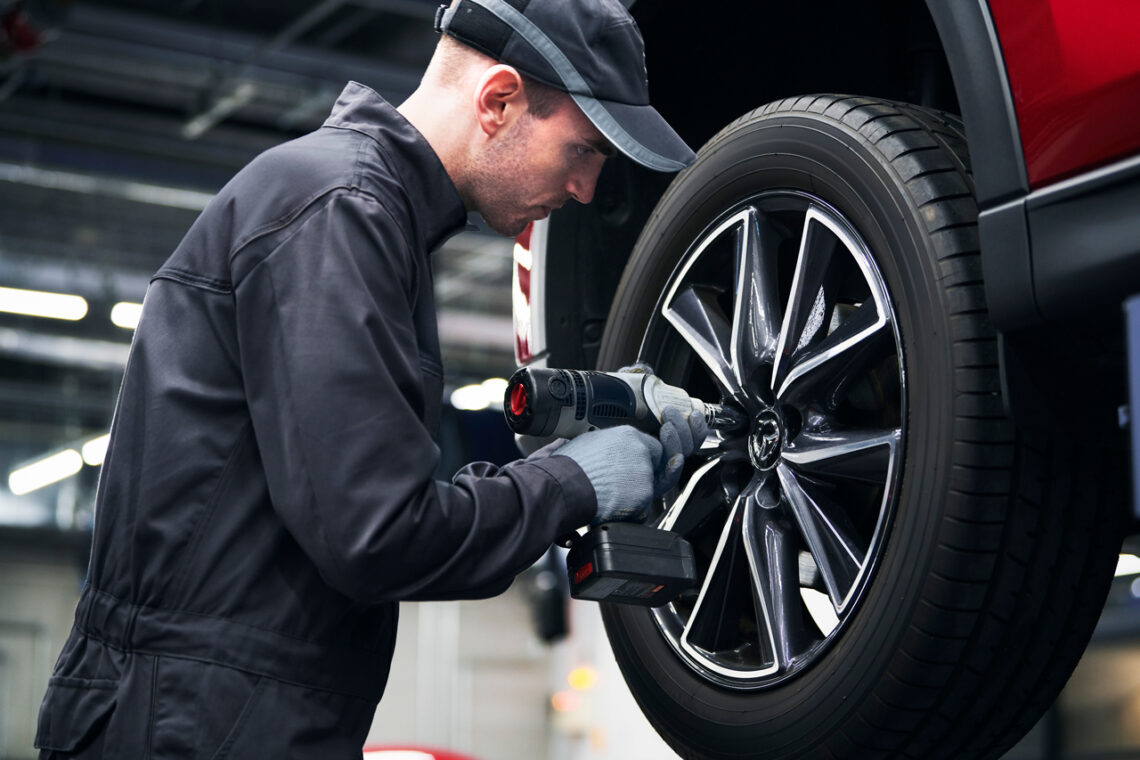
983 557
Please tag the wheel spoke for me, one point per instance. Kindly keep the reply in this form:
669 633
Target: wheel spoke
866 455
837 552
825 370
694 314
712 625
756 311
773 560
808 303
699 498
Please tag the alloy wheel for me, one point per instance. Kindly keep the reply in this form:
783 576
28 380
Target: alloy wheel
779 309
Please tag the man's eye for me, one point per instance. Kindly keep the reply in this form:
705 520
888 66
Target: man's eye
583 150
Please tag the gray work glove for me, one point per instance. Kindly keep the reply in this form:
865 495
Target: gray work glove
680 436
621 463
537 447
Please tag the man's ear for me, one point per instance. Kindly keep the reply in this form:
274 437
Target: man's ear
499 98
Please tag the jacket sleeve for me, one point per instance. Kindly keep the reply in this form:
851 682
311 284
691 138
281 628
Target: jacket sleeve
332 371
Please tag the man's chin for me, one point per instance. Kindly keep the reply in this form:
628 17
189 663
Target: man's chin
508 227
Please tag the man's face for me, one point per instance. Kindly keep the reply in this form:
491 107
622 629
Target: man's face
536 165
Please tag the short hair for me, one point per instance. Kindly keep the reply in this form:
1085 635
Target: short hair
542 99
451 55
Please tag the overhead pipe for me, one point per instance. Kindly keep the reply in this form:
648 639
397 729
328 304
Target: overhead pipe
237 89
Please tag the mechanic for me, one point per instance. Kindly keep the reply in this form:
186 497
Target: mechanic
268 494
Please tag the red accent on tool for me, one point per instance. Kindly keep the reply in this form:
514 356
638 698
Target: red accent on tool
583 572
518 399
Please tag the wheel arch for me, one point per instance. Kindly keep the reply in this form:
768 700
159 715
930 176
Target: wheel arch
1035 335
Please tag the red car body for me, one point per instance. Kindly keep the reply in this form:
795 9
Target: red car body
1074 73
408 752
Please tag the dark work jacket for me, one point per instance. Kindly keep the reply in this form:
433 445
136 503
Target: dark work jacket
267 495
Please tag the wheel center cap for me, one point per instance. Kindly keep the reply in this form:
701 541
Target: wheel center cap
766 440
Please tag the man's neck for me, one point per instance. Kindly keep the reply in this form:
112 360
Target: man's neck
422 109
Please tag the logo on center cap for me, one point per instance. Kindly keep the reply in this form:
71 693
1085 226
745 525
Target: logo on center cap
764 443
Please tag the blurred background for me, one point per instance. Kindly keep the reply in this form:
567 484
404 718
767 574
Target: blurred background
119 119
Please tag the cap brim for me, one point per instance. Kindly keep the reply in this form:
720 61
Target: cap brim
639 132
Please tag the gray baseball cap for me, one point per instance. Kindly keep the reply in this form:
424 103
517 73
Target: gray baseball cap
591 49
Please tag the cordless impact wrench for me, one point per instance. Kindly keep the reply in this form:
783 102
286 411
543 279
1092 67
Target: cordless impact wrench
615 562
563 403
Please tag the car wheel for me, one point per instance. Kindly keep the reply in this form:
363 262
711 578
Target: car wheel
888 567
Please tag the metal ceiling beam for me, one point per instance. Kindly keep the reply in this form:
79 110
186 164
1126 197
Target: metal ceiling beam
314 108
423 9
345 27
140 192
222 101
121 34
128 140
46 401
237 88
294 30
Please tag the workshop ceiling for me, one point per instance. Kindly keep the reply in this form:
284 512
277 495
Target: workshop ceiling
120 118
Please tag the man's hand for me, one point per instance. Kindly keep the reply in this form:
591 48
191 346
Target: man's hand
629 469
680 436
622 465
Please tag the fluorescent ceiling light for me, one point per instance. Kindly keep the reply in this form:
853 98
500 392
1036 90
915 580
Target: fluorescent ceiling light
126 314
44 472
473 398
495 388
95 450
36 303
1128 564
470 398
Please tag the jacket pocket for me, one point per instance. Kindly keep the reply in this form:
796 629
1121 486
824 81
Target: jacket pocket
244 719
73 711
200 709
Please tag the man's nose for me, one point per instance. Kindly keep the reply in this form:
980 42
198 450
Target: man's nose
581 185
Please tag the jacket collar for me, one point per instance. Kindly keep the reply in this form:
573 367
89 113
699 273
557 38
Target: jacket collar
438 209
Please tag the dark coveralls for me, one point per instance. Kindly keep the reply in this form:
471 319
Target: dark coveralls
267 495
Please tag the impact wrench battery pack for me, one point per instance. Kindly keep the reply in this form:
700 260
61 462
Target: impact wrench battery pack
627 563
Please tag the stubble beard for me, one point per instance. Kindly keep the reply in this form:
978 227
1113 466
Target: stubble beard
495 182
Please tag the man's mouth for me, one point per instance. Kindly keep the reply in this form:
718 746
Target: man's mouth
547 210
